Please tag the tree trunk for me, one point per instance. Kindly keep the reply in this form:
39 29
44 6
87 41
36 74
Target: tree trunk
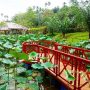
89 30
63 34
89 33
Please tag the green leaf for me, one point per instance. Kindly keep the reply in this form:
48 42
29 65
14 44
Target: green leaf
1 48
21 85
30 78
33 86
2 71
6 61
3 87
33 54
14 53
59 47
42 38
87 46
0 53
8 55
7 45
21 79
47 65
44 58
23 56
72 51
21 69
39 79
88 67
17 44
1 42
5 77
37 66
69 76
29 72
13 64
17 49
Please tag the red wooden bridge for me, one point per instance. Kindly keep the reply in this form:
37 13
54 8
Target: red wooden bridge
75 60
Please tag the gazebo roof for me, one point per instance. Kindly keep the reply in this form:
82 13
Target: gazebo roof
11 26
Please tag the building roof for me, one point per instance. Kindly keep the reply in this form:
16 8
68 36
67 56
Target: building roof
11 26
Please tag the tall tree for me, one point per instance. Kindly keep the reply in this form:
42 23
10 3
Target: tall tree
26 19
85 5
74 2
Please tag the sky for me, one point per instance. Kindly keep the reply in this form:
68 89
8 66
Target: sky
12 7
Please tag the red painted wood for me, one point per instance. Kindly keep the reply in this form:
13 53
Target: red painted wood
64 60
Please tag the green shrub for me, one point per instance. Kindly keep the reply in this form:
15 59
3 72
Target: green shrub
42 29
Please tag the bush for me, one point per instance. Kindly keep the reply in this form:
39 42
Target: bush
42 29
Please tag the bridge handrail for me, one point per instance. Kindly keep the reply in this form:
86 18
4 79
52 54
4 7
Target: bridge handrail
75 63
54 45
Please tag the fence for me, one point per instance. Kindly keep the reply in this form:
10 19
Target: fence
78 67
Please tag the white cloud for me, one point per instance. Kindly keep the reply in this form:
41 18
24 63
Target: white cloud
11 7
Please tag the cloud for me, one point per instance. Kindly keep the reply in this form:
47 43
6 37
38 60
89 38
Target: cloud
12 7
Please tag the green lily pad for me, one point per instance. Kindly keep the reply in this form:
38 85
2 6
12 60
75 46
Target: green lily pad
22 85
30 78
47 65
8 55
29 72
33 86
6 61
88 67
3 87
14 53
21 79
87 46
23 56
7 45
69 76
39 79
33 54
37 66
21 69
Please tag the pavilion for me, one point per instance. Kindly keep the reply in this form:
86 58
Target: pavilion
13 28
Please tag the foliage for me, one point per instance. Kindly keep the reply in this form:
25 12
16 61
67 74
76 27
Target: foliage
71 38
38 29
69 76
3 87
72 18
2 24
26 19
53 24
43 65
33 54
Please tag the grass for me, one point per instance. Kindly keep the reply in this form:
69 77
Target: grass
72 37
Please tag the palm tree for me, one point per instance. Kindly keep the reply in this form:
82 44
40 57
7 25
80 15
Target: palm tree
47 4
1 16
6 17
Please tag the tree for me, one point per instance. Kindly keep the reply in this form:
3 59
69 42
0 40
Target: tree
46 14
2 24
74 2
72 18
53 24
86 9
55 9
26 19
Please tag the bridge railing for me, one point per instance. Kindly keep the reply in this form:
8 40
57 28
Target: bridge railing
64 61
80 52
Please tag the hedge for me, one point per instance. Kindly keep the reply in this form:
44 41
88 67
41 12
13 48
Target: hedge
42 29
